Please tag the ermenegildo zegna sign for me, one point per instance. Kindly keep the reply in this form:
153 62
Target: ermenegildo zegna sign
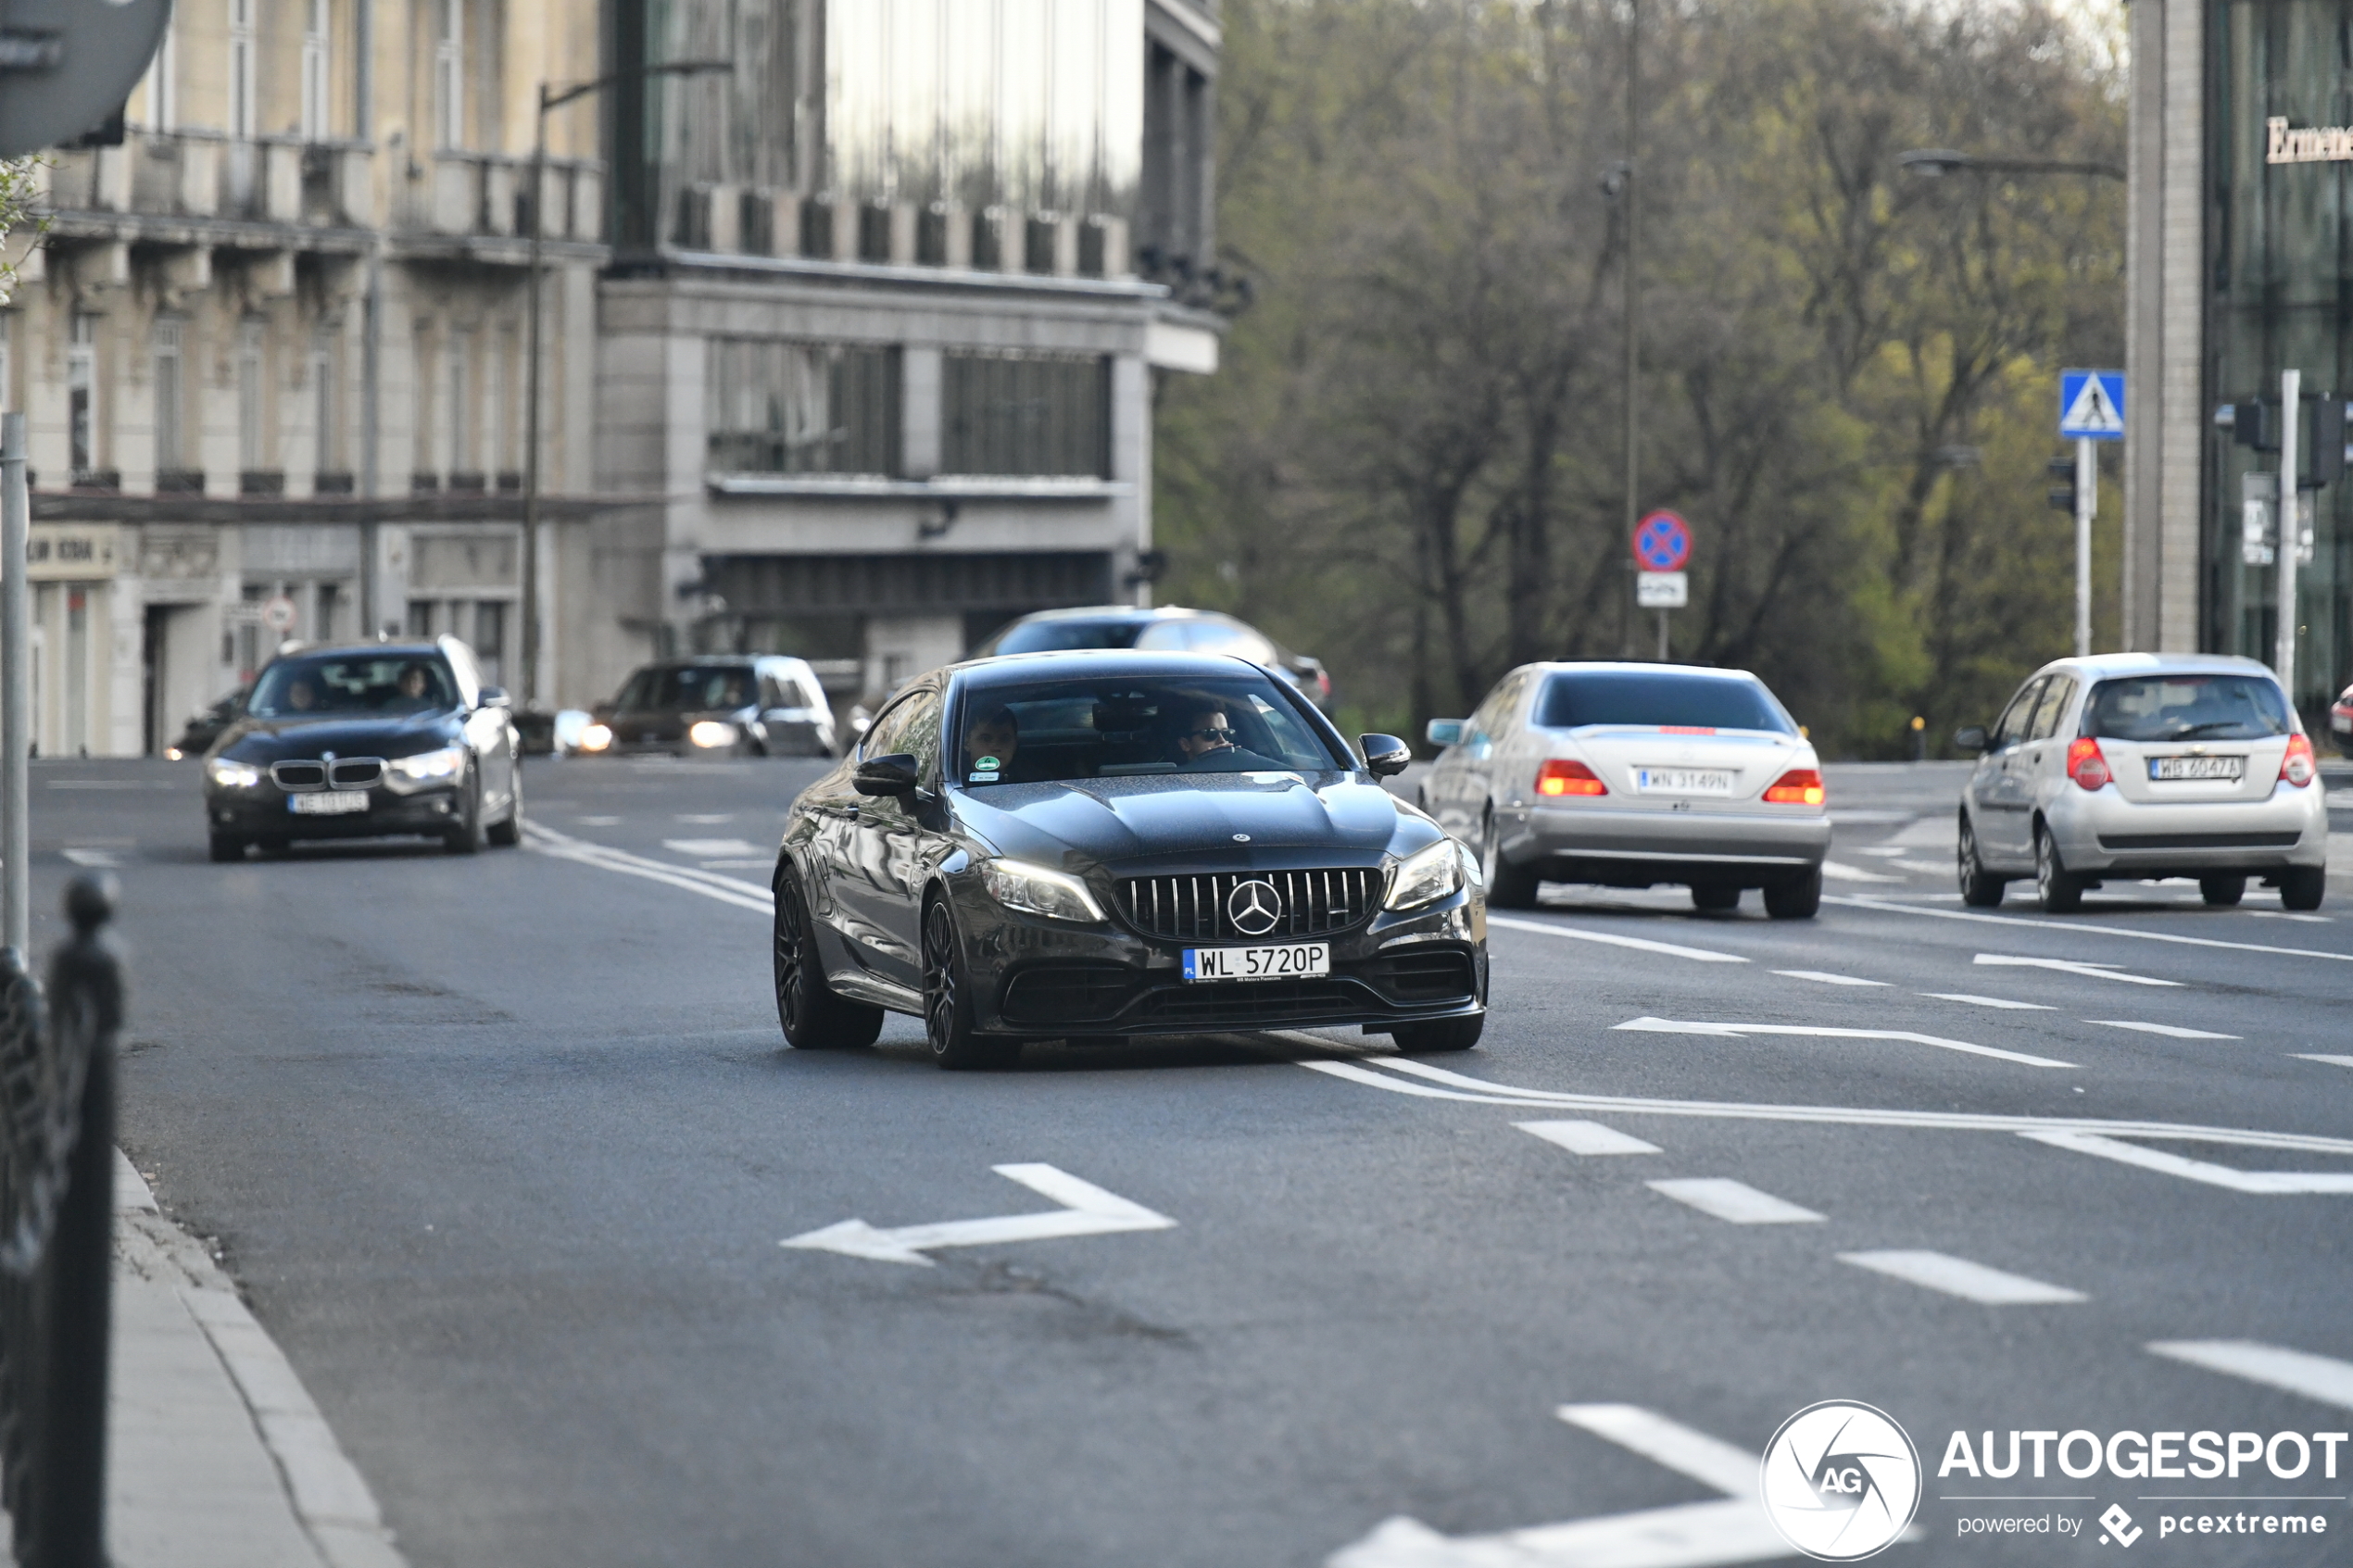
2307 143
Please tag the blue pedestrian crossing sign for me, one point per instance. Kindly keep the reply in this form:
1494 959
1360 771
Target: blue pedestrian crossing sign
2092 405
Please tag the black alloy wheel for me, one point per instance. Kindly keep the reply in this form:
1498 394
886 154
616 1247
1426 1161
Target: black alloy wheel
948 1004
2221 891
464 837
1440 1035
1716 898
1795 897
1508 887
2302 887
2060 889
227 847
811 1016
507 832
1979 890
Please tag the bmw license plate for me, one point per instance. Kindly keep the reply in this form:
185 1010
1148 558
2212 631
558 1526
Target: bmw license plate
2231 768
1682 780
328 803
1295 961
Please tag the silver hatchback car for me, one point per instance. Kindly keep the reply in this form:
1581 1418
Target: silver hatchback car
2132 765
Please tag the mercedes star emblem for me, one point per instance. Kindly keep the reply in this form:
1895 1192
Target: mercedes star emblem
1254 906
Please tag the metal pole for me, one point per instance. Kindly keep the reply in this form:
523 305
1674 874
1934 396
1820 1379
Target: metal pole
2291 532
1633 295
1662 636
16 690
2087 501
529 681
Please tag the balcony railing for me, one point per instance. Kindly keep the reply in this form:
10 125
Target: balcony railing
205 174
481 195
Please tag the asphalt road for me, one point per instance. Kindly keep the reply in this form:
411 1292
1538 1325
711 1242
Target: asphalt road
502 1150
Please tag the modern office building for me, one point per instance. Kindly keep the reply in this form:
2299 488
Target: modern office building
2241 176
882 324
270 349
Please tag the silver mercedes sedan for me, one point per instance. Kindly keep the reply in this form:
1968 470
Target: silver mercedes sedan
1629 776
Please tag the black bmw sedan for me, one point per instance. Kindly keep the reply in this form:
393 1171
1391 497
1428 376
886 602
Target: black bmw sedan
373 740
1090 846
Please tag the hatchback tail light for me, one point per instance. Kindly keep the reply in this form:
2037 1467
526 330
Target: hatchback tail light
2086 766
1799 786
1563 776
2297 766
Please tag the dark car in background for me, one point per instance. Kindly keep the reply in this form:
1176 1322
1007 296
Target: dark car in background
1086 846
204 728
1169 629
715 705
367 741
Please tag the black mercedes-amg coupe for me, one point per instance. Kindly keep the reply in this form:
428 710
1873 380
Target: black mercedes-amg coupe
1085 846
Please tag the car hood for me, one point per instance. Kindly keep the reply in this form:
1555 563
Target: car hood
271 740
1296 817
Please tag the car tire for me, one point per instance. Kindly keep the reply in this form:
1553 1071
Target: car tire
811 1016
227 847
1443 1034
2301 887
1714 897
465 837
1508 887
507 832
2060 890
2221 891
948 1001
1795 897
1979 888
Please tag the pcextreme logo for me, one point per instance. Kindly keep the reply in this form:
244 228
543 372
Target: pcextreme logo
1839 1481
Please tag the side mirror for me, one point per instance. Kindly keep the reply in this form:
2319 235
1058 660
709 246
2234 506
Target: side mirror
1970 737
492 697
1446 732
1385 754
892 775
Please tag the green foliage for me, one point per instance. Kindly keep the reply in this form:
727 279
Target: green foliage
1411 462
20 188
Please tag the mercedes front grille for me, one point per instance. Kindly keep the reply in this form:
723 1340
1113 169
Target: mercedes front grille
1195 908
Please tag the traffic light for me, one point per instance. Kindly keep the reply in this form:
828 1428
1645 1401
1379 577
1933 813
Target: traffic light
2063 495
2255 424
2320 438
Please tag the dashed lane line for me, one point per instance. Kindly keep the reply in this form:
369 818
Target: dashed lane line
2172 1031
2231 1179
1587 1137
1888 906
1734 1202
1824 977
1958 1276
2298 1372
725 889
1978 1001
2332 1060
2072 966
1736 1031
1640 944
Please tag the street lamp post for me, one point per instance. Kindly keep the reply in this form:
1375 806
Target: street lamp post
555 98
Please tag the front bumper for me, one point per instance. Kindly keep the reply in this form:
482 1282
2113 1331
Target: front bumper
1042 979
261 813
1621 849
2100 833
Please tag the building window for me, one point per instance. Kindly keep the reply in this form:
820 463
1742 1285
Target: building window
4 318
243 112
496 459
459 366
424 466
81 394
1026 414
162 78
252 450
170 445
792 407
450 75
317 41
327 438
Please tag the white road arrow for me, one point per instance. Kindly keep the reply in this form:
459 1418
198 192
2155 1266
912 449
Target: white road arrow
1685 1536
2070 966
1087 1210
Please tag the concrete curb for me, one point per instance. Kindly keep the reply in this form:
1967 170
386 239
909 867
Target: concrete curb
323 1488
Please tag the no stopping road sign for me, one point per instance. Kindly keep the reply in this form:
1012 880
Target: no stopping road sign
1662 542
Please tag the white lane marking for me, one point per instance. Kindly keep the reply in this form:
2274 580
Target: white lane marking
1669 1026
727 889
2298 1372
1587 1137
1640 944
707 819
1988 1001
710 849
1958 1276
1889 851
1734 1202
2071 966
2264 1183
96 859
1826 978
598 822
1086 1209
2332 1060
1839 871
1732 1529
1890 906
1926 868
2287 914
2174 1030
113 783
751 863
1484 1092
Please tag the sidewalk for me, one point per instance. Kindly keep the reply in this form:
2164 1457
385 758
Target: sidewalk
216 1456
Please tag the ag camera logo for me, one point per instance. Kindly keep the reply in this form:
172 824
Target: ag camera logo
1841 1481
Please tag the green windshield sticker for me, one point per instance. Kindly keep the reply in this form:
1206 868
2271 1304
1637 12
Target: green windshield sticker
987 764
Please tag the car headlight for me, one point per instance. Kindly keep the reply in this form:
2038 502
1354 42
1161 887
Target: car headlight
1426 877
713 732
1019 885
596 737
234 775
426 767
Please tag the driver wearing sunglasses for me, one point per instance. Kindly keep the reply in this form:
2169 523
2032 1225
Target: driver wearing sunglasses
1209 745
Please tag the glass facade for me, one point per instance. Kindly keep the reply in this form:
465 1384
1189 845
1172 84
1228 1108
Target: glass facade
1026 414
794 408
2280 239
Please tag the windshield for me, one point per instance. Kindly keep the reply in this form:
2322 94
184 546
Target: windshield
2188 707
688 689
1059 636
1105 729
1665 699
297 688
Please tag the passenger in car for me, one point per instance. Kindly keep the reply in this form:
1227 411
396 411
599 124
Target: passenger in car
989 745
1208 744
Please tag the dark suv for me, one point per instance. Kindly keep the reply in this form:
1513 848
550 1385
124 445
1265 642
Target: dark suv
1170 629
